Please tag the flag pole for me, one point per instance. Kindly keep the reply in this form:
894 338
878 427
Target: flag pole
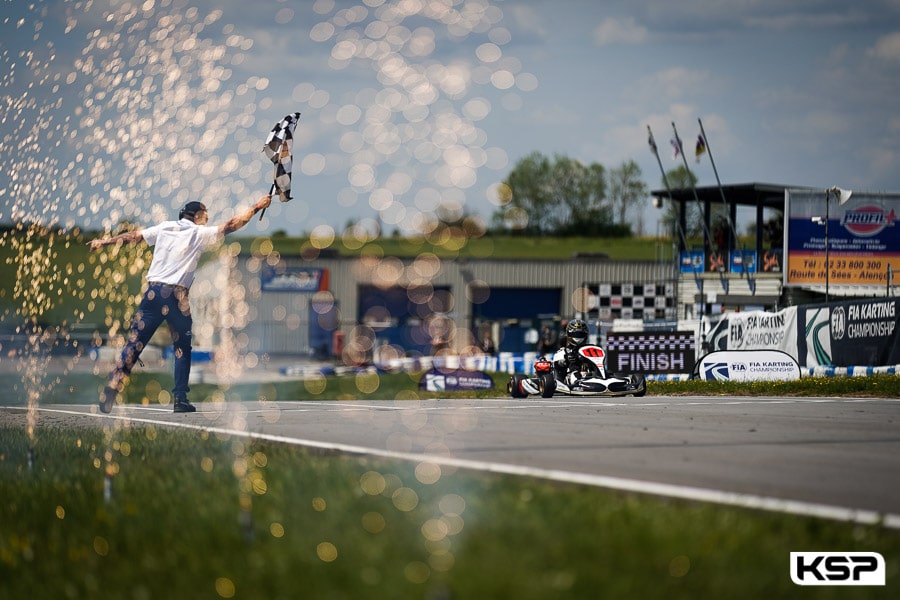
683 245
731 225
655 150
704 214
683 239
262 213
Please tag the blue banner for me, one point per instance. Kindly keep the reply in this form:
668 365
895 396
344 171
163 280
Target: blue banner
454 380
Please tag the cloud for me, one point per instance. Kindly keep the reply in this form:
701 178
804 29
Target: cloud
619 31
790 21
525 22
887 47
675 84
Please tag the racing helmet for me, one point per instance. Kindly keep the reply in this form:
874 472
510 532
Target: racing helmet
576 333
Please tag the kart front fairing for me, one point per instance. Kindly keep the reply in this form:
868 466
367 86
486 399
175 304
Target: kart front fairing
589 386
609 386
590 379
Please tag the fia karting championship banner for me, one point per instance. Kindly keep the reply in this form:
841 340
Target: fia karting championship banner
848 334
747 365
862 238
663 352
454 380
760 330
841 334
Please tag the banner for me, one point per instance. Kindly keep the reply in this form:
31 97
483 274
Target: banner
651 352
747 365
760 330
743 261
294 279
454 380
692 261
840 334
852 333
861 237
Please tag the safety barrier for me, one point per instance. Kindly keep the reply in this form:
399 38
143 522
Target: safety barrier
510 362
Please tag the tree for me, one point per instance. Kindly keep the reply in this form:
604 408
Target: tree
682 178
525 194
560 196
627 190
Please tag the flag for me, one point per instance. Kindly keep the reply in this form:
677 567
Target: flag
700 148
651 141
279 149
676 145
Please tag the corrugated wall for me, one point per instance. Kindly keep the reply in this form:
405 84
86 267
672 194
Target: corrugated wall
278 322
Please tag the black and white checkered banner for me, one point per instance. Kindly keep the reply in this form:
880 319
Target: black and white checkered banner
651 352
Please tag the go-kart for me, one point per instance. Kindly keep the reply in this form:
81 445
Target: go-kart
588 379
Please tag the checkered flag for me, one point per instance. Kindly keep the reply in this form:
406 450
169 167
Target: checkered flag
279 149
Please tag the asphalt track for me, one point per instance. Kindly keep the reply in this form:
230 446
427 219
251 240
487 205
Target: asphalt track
836 458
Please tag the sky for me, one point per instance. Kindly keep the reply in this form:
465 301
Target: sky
115 110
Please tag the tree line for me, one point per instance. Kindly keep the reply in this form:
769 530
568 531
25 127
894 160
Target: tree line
563 196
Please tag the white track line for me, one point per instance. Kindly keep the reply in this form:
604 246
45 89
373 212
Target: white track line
794 507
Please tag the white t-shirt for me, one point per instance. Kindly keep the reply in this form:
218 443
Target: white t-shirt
178 246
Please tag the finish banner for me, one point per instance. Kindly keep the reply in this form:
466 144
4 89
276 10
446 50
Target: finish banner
663 352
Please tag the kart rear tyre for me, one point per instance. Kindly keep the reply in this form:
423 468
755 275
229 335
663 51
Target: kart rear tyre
639 381
514 386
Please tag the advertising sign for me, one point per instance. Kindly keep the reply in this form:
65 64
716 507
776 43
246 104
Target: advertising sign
760 330
692 261
663 352
861 236
858 332
743 261
748 365
454 380
851 333
294 279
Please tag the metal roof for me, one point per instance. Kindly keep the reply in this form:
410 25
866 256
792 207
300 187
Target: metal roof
765 195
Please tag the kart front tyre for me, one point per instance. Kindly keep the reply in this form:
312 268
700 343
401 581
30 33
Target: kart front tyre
547 385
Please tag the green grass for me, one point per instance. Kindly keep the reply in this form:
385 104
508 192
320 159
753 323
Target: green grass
152 388
496 246
175 526
195 516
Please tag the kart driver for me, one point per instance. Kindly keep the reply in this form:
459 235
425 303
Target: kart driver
566 360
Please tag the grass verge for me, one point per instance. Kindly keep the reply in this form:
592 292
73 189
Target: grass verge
195 516
153 388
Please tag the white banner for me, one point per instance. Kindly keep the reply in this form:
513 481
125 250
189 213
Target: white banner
759 330
748 365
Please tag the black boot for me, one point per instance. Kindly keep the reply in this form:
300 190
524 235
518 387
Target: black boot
183 406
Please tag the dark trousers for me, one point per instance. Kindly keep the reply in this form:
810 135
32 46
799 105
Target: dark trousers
161 303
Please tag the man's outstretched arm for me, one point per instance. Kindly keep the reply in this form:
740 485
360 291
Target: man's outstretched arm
238 221
129 237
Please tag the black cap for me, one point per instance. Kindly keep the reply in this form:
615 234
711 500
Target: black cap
190 209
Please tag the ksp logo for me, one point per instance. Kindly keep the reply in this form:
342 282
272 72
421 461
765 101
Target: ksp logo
837 568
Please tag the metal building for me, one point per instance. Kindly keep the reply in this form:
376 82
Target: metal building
332 305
